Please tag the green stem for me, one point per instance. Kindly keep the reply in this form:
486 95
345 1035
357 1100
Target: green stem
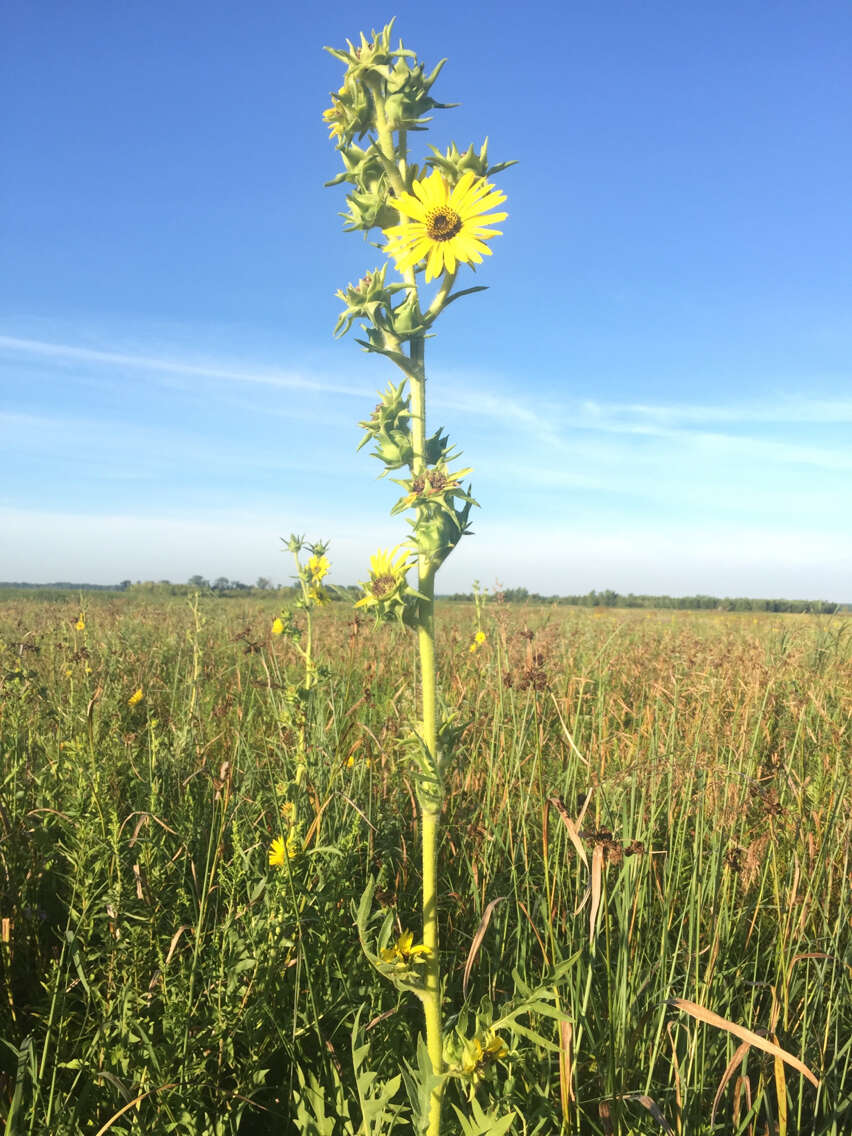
431 996
431 805
307 651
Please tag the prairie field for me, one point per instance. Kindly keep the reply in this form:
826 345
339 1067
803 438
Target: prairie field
646 841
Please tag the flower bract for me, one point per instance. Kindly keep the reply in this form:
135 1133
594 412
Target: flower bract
444 226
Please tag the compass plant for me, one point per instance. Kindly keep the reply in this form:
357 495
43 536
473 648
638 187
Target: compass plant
432 220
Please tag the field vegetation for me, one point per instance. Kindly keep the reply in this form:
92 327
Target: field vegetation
648 823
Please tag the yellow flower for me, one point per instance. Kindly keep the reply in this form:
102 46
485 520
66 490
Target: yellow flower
479 637
445 226
277 627
387 577
281 851
472 648
136 697
318 595
476 1056
80 625
318 567
402 952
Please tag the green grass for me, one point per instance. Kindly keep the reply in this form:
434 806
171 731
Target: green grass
152 962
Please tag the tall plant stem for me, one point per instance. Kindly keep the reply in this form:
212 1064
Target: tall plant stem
431 803
394 157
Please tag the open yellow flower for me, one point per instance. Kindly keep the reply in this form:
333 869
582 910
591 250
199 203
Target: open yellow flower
135 698
80 625
277 626
387 577
281 850
445 226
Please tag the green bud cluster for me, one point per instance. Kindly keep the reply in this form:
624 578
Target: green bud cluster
389 429
453 163
385 94
375 69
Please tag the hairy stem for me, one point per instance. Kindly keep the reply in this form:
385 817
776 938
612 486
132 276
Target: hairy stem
431 994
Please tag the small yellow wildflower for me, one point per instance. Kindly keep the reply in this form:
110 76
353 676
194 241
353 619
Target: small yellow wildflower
318 567
277 626
318 595
476 1056
80 625
478 640
402 952
136 697
68 672
281 851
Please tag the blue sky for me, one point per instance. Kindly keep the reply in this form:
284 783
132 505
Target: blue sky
655 392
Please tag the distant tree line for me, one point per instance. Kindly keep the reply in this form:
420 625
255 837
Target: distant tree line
610 598
225 588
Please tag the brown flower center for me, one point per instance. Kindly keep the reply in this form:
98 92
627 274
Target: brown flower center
442 223
383 586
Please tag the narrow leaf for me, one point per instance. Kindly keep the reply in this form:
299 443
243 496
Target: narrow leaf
477 941
744 1034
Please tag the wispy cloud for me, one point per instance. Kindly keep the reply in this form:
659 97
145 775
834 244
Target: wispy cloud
789 411
66 353
682 425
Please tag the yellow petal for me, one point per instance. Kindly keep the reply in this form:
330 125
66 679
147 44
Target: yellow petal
408 205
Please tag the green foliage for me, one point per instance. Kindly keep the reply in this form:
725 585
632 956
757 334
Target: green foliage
152 955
